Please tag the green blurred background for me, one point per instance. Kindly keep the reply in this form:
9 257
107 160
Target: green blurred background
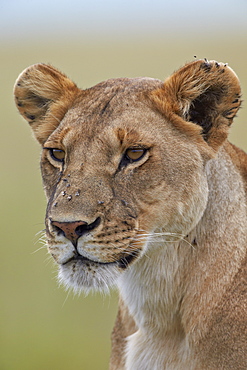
41 325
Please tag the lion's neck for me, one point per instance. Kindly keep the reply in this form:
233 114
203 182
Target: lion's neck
151 291
153 295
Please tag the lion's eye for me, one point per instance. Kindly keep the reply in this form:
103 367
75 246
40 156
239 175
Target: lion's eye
134 154
57 154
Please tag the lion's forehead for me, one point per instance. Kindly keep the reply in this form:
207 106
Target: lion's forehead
111 96
105 110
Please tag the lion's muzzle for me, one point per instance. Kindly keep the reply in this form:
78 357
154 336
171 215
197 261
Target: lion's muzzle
91 243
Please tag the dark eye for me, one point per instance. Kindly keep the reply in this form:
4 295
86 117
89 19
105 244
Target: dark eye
57 154
134 154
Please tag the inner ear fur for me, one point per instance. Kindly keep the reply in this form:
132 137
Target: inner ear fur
201 97
43 95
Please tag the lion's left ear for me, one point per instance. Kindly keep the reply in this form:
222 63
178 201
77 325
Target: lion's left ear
202 94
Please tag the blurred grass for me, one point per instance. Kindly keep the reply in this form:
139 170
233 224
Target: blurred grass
41 327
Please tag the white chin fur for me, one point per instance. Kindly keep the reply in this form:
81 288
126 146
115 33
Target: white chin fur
85 279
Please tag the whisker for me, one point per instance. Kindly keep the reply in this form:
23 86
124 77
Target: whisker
37 250
66 298
48 260
42 242
40 232
156 237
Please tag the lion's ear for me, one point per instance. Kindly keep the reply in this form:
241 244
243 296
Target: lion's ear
205 93
43 95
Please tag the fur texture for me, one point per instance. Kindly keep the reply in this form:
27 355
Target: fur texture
145 193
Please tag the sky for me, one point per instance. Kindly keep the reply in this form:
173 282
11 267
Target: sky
20 19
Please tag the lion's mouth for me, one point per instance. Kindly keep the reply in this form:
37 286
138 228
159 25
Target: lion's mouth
122 263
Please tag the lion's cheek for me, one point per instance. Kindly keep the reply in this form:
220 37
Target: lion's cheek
174 210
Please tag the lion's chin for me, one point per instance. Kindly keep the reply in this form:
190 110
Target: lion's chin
84 277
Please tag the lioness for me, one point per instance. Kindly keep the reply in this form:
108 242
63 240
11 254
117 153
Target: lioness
145 193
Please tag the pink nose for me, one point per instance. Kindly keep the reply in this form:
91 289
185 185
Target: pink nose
73 230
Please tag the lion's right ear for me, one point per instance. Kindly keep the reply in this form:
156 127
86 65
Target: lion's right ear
43 95
201 99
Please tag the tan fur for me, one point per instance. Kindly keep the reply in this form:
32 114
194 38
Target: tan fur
169 228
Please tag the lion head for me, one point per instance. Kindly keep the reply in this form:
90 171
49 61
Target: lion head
124 161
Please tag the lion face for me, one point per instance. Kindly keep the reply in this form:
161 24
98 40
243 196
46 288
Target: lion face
118 167
114 179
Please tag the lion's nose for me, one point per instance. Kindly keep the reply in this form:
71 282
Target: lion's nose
73 230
